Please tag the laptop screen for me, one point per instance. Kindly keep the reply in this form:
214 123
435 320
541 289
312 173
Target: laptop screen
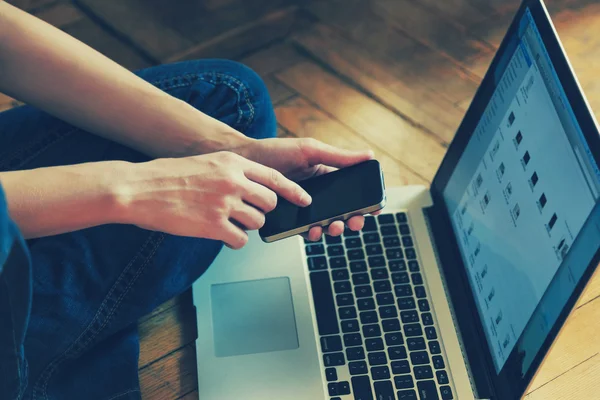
522 201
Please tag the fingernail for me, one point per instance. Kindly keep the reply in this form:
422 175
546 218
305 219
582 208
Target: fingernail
305 199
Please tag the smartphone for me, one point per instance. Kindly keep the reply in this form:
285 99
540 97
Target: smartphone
338 195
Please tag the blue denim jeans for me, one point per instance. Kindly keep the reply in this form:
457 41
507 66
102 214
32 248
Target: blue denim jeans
69 304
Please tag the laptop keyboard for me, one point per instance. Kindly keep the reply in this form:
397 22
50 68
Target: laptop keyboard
377 334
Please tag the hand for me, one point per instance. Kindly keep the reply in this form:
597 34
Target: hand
300 159
215 196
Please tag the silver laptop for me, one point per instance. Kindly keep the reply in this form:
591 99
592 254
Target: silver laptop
456 291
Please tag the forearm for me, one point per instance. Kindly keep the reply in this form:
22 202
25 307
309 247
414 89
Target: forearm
54 200
49 69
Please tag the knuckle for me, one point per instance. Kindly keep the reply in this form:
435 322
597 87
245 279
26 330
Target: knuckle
275 177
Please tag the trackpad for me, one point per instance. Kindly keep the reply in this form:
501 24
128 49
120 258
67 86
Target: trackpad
253 317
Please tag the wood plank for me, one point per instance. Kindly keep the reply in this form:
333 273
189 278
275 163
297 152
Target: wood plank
463 12
7 102
170 377
420 151
31 5
398 86
190 396
303 119
60 14
277 90
185 297
273 58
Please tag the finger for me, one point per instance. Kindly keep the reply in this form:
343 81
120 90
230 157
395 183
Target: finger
376 212
248 216
315 233
336 228
356 223
259 196
317 152
233 237
281 185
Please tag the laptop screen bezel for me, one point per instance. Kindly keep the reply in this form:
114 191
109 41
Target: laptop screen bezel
508 383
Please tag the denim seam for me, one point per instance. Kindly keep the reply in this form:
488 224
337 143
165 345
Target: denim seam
123 394
77 346
14 339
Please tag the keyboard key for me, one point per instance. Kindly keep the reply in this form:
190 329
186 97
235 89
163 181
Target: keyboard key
407 241
442 377
379 373
315 250
423 372
382 286
394 339
438 362
361 387
397 265
333 239
419 357
356 254
346 299
332 388
342 287
389 230
331 374
427 319
423 305
368 317
350 233
323 300
446 393
406 303
366 304
358 368
331 344
384 391
417 279
371 330
404 382
376 261
386 219
385 299
394 254
358 266
353 243
361 279
413 330
352 339
388 312
400 278
404 229
334 359
401 218
391 241
317 263
415 343
350 325
397 352
413 265
379 273
363 291
374 249
371 237
410 253
338 262
400 367
340 274
374 344
377 358
343 388
434 347
355 353
403 290
420 292
370 224
409 316
427 390
390 325
430 333
407 395
347 312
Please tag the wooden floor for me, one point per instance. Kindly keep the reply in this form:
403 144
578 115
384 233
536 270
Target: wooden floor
392 75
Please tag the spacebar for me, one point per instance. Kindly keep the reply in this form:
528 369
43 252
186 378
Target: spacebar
324 306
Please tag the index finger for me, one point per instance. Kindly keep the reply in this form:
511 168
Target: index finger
278 183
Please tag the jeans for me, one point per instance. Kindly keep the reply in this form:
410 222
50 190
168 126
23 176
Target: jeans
69 303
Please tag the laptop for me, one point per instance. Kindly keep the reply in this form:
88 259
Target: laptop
456 291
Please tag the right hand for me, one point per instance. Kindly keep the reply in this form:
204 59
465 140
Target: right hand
216 196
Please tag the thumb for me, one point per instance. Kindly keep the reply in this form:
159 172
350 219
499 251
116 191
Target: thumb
317 152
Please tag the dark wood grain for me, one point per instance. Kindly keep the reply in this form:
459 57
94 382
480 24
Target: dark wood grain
60 14
170 377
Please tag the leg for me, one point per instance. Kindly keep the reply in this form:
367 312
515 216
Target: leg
91 286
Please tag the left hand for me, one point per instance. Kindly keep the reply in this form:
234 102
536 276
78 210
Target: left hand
300 159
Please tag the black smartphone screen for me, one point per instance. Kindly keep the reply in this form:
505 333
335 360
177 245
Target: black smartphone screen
333 194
